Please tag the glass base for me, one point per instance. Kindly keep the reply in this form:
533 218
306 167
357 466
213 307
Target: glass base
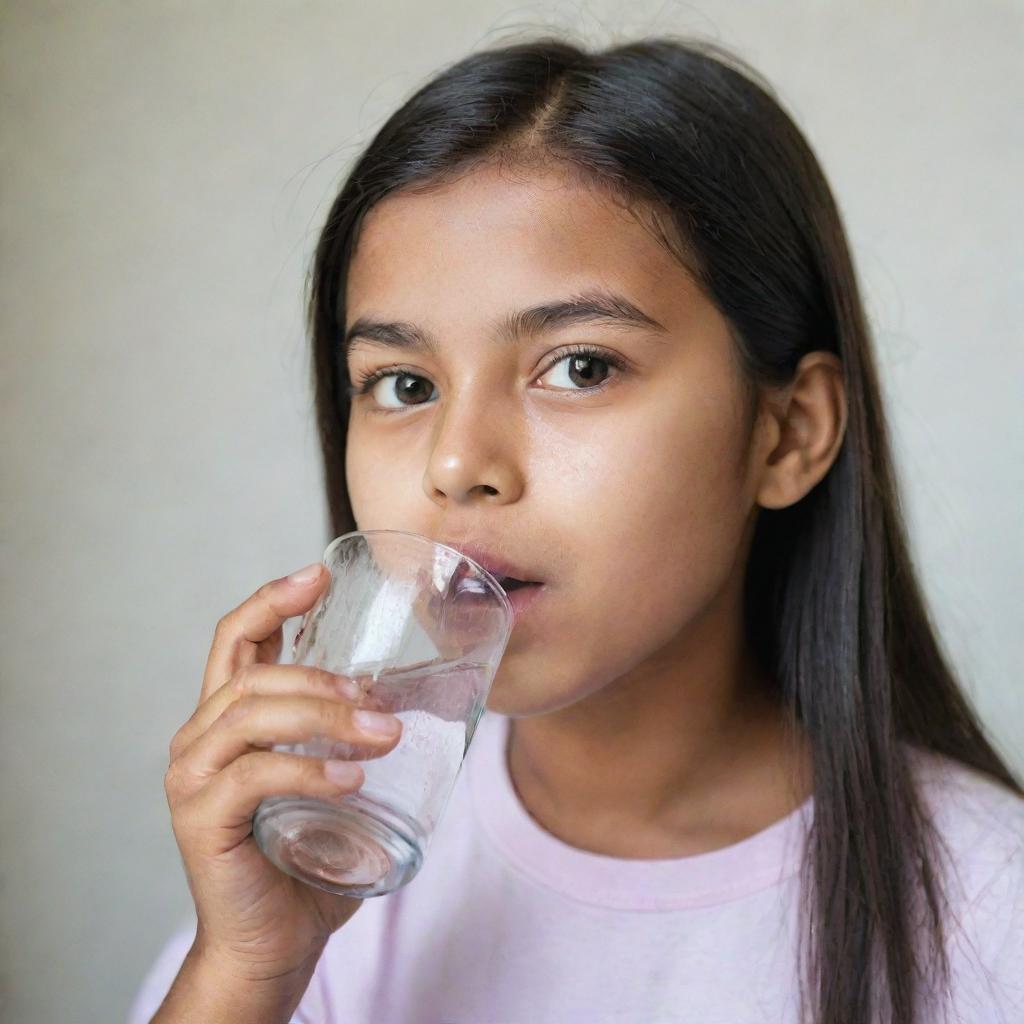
353 849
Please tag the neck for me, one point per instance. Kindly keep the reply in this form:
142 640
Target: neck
687 753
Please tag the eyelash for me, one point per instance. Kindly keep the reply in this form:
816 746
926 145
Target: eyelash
365 381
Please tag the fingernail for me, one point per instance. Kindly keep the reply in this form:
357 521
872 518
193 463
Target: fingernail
349 688
343 772
307 575
375 722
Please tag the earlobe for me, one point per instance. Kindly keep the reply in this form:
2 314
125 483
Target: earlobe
782 481
805 431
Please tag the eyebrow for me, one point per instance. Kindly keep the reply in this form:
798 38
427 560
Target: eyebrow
595 305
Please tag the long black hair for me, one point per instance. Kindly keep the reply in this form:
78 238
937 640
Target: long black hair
835 611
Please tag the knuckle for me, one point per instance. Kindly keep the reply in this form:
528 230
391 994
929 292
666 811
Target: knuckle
172 779
238 710
178 743
224 626
333 712
243 682
264 593
245 770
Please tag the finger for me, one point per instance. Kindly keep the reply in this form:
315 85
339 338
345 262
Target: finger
219 816
237 638
260 722
277 680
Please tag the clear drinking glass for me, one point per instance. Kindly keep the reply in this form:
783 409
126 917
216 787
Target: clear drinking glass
421 627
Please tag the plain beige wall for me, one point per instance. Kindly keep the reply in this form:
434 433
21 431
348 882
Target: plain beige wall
165 169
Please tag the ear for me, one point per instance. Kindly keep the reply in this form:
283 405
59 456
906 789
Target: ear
802 430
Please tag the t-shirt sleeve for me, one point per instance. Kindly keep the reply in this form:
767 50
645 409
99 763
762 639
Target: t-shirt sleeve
160 976
158 980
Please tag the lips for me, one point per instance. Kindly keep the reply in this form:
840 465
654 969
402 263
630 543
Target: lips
523 599
510 575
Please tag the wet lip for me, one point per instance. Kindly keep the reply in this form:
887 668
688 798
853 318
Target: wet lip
503 571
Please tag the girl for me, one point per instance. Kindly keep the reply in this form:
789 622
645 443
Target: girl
593 314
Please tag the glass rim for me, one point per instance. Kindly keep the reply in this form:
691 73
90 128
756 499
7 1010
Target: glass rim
487 577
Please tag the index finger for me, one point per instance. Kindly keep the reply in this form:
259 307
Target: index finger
254 626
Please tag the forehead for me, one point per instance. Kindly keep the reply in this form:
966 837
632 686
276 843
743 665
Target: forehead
494 237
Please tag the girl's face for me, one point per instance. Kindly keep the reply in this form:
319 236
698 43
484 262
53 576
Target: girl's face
627 486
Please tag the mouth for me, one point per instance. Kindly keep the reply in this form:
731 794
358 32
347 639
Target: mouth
523 595
510 583
502 569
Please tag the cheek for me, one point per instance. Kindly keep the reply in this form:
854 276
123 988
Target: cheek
653 527
383 481
659 486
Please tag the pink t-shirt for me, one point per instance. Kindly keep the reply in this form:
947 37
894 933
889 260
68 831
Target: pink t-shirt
506 924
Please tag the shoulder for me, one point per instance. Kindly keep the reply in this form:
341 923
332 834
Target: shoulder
979 822
979 828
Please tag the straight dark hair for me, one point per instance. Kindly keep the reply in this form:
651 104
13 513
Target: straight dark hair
684 131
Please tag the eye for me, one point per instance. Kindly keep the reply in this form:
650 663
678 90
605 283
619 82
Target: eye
394 388
407 386
586 369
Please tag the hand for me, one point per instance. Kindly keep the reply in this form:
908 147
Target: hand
255 920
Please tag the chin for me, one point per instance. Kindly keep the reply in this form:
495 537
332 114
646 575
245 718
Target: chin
521 693
511 696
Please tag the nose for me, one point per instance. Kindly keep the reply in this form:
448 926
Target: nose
476 454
